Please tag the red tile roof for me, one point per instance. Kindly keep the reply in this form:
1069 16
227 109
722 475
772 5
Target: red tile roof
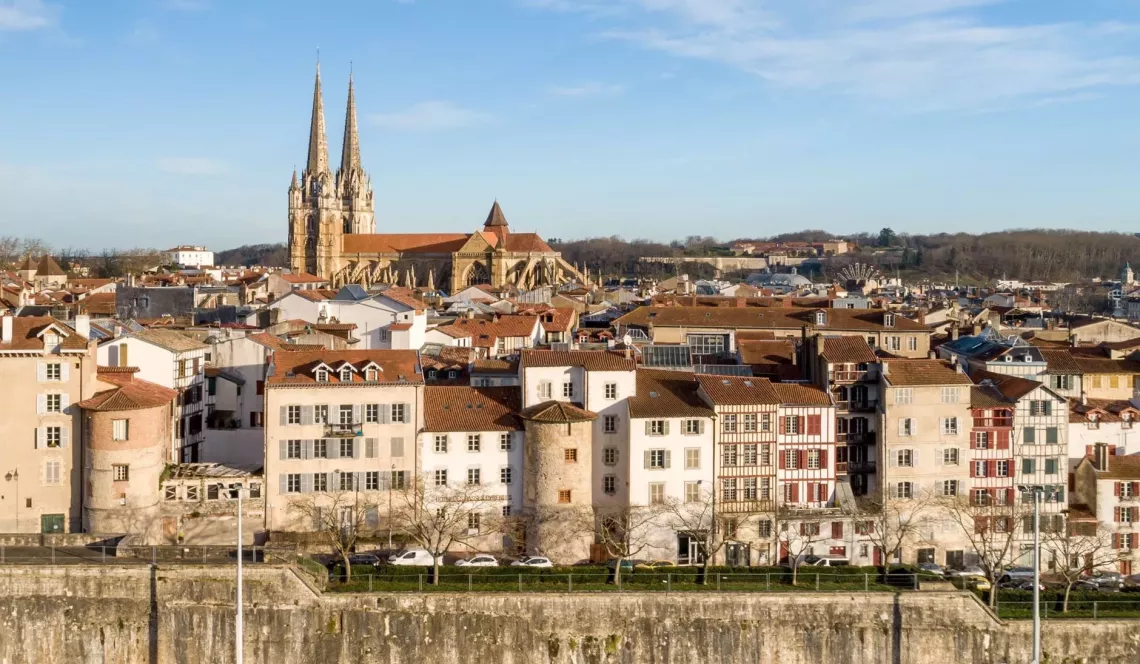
914 373
557 412
302 278
26 331
738 390
590 360
471 408
410 243
667 394
849 349
795 394
299 367
127 393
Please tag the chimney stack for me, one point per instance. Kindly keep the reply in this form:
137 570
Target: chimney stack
1084 398
1100 457
83 326
7 335
954 331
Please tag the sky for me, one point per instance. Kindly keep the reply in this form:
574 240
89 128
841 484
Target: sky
158 122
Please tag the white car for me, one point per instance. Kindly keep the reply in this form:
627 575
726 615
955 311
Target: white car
970 571
533 561
478 561
414 557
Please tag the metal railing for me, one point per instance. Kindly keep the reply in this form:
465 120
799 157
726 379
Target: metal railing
342 429
1053 609
139 555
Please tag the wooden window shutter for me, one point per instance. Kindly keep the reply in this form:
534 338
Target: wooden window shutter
1133 540
1003 440
282 446
1116 514
991 469
973 469
780 460
814 425
801 459
1135 488
1116 489
795 493
803 528
823 459
837 530
647 454
284 415
648 424
1116 540
783 426
811 492
800 428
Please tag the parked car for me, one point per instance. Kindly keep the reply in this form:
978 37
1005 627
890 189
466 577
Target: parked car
626 564
1019 584
931 568
481 560
654 565
414 557
532 561
967 572
979 583
825 561
1016 573
1104 580
370 559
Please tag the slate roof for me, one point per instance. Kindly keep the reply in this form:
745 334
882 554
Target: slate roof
869 320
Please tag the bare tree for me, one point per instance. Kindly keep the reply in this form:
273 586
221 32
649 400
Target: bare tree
796 534
625 532
438 517
989 526
341 517
1078 548
891 522
697 518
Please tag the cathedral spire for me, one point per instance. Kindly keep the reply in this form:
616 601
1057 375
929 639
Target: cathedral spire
318 144
350 153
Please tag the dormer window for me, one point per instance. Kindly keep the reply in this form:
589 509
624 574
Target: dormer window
889 320
322 375
821 318
371 375
346 375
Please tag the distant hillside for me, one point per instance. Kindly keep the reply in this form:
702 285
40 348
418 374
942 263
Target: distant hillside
271 255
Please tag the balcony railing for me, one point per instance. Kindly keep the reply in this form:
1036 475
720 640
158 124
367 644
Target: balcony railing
857 438
343 430
850 376
749 506
841 466
993 422
861 466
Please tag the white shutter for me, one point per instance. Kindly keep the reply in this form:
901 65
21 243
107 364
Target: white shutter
356 449
891 490
284 415
370 448
892 458
357 417
358 481
385 413
914 458
65 371
64 402
648 430
647 461
306 414
902 427
332 447
306 449
41 404
665 428
284 483
938 455
282 449
39 437
700 426
307 483
41 372
668 456
397 447
65 436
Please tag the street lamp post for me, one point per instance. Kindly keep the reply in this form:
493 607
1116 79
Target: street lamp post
391 479
15 475
1037 491
239 634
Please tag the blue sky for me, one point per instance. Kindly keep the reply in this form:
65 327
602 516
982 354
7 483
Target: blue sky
154 122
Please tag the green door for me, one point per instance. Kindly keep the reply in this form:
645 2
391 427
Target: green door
51 523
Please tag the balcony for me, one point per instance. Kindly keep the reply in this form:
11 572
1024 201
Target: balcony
856 438
993 422
865 406
745 506
841 466
850 376
343 430
866 466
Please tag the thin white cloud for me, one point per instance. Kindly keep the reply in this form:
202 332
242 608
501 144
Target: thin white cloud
190 165
913 55
587 89
22 15
430 116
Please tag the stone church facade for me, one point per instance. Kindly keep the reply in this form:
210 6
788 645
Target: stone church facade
332 224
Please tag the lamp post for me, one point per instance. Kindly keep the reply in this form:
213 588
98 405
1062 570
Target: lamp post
1037 491
239 635
389 519
15 475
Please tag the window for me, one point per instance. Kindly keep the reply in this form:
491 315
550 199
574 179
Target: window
706 344
982 440
980 468
904 490
657 459
441 443
1125 489
950 456
345 375
609 423
371 375
568 390
949 426
728 488
1040 408
372 480
120 430
813 459
570 455
656 493
748 455
1051 436
904 396
292 484
544 390
950 394
320 482
54 371
904 458
1060 382
506 510
692 458
473 521
192 492
399 479
1050 466
1114 381
906 427
1028 466
766 422
912 343
950 487
293 414
749 422
505 475
320 449
292 449
765 455
729 424
765 488
1002 468
474 476
764 528
347 448
611 391
372 413
440 478
53 471
346 415
564 496
692 492
728 455
170 492
1029 435
791 459
504 442
54 436
693 427
610 456
750 488
791 425
474 442
322 375
656 427
398 413
347 481
321 414
609 485
54 403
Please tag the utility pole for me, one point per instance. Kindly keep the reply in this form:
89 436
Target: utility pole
239 636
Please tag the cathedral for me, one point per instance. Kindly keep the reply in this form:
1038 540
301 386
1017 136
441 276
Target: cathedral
332 231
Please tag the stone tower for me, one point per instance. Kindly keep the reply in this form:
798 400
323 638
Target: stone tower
323 209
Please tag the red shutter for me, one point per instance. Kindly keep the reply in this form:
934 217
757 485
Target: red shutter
811 492
1132 540
801 456
1116 514
1009 496
795 492
1116 488
1135 514
991 469
783 429
823 459
780 459
1135 487
1003 440
824 493
837 530
973 468
813 425
803 528
800 428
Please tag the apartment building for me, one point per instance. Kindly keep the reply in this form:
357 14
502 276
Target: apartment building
805 446
499 337
1106 378
340 422
473 436
848 369
1110 421
1109 485
669 459
173 360
990 351
46 368
992 463
389 319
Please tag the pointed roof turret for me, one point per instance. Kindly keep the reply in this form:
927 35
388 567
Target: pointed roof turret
496 218
49 268
293 183
318 145
350 152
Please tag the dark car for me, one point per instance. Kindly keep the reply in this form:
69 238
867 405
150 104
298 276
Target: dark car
626 564
1101 580
369 559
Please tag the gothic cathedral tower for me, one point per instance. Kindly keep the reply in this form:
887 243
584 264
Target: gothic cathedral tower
322 210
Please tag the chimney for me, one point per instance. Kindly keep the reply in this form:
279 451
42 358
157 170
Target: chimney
1073 341
954 331
83 326
957 367
922 317
1100 457
7 336
932 355
1084 398
977 329
885 369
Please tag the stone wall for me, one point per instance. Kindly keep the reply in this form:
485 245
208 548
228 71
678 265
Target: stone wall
184 615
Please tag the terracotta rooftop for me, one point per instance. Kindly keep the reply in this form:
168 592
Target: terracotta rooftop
870 320
915 373
1059 361
849 349
667 394
471 408
988 396
1104 410
796 394
49 268
590 360
738 390
406 243
496 366
1121 468
1010 387
302 278
169 339
554 412
127 393
404 296
299 367
27 331
557 320
485 333
276 343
